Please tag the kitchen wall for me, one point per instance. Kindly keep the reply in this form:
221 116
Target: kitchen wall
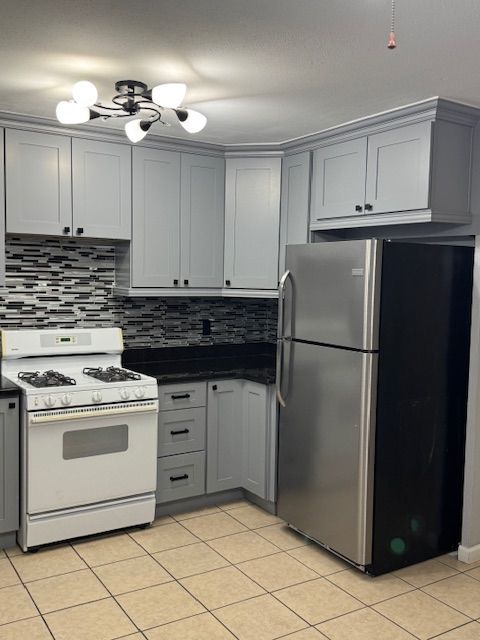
59 282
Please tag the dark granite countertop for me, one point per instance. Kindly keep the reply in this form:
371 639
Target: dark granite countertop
251 361
8 388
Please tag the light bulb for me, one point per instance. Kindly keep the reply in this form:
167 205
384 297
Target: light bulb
69 112
137 129
194 122
85 93
169 95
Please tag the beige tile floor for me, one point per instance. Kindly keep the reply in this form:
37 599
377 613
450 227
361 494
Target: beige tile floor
225 572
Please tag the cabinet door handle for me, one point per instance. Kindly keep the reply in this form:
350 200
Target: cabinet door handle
368 207
214 387
227 283
358 207
176 433
66 229
185 282
175 282
12 405
175 478
181 396
79 231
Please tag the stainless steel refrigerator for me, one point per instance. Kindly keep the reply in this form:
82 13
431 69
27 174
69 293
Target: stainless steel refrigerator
372 375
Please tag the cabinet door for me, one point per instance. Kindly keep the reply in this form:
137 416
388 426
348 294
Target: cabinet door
102 196
9 465
294 203
255 463
38 183
338 179
202 215
2 211
224 435
156 218
252 215
398 169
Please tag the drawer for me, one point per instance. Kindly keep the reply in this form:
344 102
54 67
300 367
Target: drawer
181 476
182 396
181 431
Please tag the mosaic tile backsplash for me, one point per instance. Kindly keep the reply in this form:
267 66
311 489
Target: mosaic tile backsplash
67 283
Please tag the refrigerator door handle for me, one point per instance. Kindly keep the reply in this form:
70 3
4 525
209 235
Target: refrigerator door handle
281 337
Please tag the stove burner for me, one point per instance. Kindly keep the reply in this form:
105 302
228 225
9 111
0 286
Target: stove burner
111 374
46 379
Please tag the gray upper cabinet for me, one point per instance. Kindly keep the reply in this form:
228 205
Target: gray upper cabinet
417 172
398 169
202 215
9 464
38 183
295 203
252 216
102 196
2 211
156 218
338 187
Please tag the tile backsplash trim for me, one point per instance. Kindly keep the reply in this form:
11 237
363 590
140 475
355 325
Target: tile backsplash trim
67 283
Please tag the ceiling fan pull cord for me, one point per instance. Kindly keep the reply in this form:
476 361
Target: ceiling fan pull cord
392 38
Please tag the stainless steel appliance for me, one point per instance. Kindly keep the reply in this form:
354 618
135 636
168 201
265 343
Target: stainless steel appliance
89 434
372 381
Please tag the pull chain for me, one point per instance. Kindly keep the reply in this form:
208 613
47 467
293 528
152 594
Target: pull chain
392 38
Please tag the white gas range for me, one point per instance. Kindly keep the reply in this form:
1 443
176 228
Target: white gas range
89 434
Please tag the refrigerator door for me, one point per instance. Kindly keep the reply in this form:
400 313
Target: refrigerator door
331 296
326 441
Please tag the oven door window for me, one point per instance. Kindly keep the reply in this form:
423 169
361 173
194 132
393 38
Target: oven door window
86 443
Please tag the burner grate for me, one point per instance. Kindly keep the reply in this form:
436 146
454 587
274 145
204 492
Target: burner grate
46 379
111 374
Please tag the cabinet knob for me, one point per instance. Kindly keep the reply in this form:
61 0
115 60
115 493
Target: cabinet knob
358 207
185 282
175 282
227 283
66 229
368 207
214 387
79 231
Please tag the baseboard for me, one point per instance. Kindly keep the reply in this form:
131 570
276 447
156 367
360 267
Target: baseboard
469 554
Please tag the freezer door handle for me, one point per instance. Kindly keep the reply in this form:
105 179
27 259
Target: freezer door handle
281 337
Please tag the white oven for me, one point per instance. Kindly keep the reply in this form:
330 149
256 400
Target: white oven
88 455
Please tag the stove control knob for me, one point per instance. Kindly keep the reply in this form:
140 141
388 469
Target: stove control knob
139 392
124 394
49 401
66 398
96 396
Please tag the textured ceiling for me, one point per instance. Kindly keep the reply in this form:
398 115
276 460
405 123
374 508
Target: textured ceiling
260 70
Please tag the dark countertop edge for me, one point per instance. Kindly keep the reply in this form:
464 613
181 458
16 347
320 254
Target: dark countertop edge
8 388
220 375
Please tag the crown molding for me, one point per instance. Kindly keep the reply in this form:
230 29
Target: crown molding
430 109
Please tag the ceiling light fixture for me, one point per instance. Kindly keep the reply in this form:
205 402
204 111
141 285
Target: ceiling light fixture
392 38
132 98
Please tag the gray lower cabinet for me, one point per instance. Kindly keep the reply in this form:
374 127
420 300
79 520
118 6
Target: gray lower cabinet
9 464
181 431
252 218
180 476
38 183
295 203
240 436
102 195
224 435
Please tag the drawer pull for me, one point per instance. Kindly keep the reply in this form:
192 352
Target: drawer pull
181 396
177 433
174 478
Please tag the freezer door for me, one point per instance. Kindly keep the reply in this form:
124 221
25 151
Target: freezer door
326 440
332 294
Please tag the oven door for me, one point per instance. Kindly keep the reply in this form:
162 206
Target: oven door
86 455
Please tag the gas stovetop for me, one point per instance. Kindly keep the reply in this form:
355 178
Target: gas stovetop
111 374
49 378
